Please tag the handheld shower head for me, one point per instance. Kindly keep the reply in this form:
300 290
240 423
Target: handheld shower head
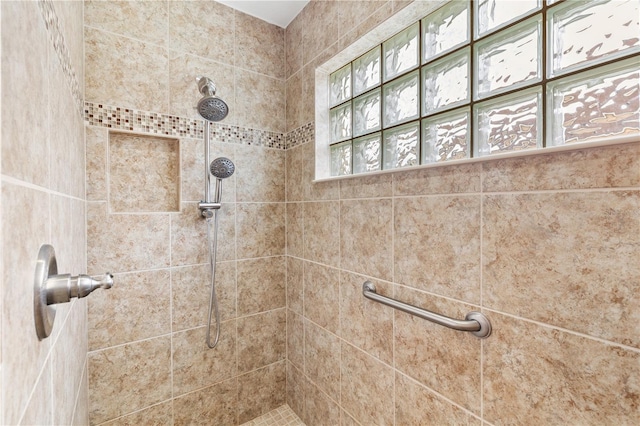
222 167
210 107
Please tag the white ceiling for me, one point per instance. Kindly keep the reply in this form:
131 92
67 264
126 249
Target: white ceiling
278 12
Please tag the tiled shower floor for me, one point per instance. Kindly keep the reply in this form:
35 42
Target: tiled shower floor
281 416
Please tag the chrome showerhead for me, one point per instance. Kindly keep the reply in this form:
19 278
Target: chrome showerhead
210 107
222 167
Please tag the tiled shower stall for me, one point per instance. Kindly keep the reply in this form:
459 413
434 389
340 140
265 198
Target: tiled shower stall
547 246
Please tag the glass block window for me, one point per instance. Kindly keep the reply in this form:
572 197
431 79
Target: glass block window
480 78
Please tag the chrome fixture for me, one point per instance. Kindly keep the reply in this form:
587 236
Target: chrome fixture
51 288
212 108
474 322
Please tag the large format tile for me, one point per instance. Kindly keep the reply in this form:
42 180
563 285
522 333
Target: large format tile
25 137
414 401
321 289
442 359
146 21
125 242
322 359
295 229
295 389
263 109
294 189
260 229
295 285
319 409
294 101
366 237
261 339
215 405
203 29
293 45
251 37
437 245
97 142
261 391
116 376
195 365
23 231
375 186
321 27
322 232
261 285
157 415
125 72
260 174
365 383
607 167
295 339
365 323
555 257
191 291
136 307
537 375
440 180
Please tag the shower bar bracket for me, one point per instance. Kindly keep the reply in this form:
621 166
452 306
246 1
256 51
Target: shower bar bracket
474 322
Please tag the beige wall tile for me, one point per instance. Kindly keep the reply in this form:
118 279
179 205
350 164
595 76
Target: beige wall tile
146 237
322 349
295 285
195 365
260 229
157 415
261 339
81 414
191 290
125 72
321 27
364 323
319 409
295 339
322 232
136 307
347 420
321 288
261 285
68 357
437 245
295 390
293 45
260 174
144 173
366 237
39 411
607 167
261 391
367 187
117 374
365 385
445 360
215 405
417 406
20 244
259 45
314 191
203 29
70 14
263 109
367 15
546 257
295 229
309 92
440 180
25 137
535 374
294 186
136 19
294 101
183 88
97 141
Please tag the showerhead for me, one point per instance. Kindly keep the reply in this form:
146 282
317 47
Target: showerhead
210 107
222 167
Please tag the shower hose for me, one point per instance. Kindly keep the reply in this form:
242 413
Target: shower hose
212 239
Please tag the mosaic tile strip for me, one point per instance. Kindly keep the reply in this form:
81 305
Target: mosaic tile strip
120 118
300 136
142 121
52 23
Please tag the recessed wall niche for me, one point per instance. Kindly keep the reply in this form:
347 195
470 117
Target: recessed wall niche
144 173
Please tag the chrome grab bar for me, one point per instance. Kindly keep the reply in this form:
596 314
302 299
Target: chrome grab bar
474 322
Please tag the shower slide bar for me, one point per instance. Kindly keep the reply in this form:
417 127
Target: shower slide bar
474 322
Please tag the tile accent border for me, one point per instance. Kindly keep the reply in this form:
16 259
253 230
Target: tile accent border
301 135
52 24
128 119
